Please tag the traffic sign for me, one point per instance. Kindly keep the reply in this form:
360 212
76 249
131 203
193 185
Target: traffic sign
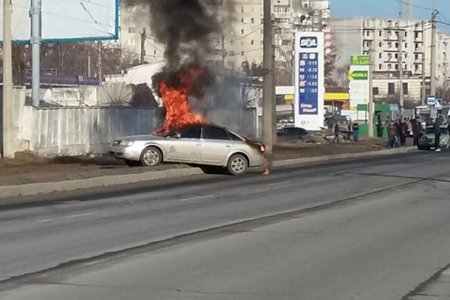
358 75
360 60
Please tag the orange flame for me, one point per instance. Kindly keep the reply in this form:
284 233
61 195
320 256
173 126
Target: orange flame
176 102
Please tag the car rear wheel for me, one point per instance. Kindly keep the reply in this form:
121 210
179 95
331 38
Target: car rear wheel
237 165
151 157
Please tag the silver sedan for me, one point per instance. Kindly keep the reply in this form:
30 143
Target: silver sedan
211 147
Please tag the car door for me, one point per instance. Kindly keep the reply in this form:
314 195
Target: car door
216 145
187 146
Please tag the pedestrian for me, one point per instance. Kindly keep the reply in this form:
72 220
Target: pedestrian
349 129
403 129
437 132
336 133
417 130
355 129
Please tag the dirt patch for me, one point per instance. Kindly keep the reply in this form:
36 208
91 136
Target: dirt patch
299 150
28 168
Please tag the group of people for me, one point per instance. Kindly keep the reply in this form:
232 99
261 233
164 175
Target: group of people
351 129
400 129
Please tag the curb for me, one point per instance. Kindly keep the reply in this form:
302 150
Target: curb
33 189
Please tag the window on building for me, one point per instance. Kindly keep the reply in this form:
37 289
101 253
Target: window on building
375 90
252 42
242 53
380 33
380 44
406 45
389 66
242 20
405 88
253 20
391 88
389 44
396 55
406 34
242 9
380 67
380 55
396 45
132 29
396 67
242 31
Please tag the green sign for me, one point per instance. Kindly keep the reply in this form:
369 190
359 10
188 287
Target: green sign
360 60
359 75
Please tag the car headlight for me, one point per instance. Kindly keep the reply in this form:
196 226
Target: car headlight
126 143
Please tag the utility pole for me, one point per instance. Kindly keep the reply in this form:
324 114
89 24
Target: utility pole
8 150
143 38
424 87
36 51
89 65
371 104
100 67
223 51
269 89
400 65
433 53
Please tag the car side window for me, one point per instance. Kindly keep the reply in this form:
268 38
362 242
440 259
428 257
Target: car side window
191 132
215 133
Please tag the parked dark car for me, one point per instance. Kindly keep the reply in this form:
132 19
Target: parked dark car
294 134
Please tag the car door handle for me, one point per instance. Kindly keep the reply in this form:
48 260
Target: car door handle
199 145
228 146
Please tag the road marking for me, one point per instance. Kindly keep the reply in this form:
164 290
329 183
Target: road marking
198 197
65 217
79 215
45 220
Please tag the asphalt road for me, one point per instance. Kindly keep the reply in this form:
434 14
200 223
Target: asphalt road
368 229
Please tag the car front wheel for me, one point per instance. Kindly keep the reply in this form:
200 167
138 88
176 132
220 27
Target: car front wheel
151 157
237 165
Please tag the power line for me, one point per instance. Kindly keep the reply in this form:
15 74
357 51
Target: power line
414 5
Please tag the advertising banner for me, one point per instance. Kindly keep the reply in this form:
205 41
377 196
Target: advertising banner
359 80
309 80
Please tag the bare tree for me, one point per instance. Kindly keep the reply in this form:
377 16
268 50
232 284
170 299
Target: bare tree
117 93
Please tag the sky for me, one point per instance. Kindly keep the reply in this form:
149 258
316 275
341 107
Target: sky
390 9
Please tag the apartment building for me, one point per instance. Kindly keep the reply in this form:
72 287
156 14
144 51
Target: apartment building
393 44
291 16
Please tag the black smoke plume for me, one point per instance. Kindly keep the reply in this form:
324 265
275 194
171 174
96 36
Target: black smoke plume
185 28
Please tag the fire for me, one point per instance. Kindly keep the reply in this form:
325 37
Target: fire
176 101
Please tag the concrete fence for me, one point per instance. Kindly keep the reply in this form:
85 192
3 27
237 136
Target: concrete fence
74 130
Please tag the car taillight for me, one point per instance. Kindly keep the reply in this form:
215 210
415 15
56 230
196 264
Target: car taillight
262 148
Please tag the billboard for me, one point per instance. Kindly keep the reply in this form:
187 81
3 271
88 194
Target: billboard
309 80
359 76
66 20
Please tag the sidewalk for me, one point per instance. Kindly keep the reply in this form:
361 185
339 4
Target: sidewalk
39 176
